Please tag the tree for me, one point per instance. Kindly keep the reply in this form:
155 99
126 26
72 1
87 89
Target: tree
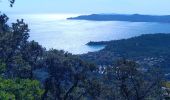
12 63
12 40
32 52
20 55
19 89
11 2
134 83
68 75
70 78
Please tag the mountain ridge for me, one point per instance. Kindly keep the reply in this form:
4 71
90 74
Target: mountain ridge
124 17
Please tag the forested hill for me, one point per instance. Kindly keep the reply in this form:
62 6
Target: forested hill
123 17
151 49
30 72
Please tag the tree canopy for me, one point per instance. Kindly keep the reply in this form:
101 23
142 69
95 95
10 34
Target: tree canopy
66 76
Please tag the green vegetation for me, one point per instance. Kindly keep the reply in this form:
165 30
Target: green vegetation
20 89
67 77
16 62
131 83
150 49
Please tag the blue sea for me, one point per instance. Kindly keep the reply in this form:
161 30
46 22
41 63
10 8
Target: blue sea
55 31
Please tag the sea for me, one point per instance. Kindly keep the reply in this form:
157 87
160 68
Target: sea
54 31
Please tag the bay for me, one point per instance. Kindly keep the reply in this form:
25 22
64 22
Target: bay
55 31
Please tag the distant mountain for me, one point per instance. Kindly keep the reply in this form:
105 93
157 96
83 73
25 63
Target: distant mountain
123 17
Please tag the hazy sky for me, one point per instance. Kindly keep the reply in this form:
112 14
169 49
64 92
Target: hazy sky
88 6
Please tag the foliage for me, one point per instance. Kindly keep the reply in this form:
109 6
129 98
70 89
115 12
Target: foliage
148 50
166 84
132 83
16 62
11 2
2 67
68 75
19 54
19 89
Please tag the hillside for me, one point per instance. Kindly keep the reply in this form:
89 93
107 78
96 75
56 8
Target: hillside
151 49
124 17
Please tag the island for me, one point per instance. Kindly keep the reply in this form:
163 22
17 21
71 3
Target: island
124 17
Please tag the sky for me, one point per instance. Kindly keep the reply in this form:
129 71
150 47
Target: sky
152 7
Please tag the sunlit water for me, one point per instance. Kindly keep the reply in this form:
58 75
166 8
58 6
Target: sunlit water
54 31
